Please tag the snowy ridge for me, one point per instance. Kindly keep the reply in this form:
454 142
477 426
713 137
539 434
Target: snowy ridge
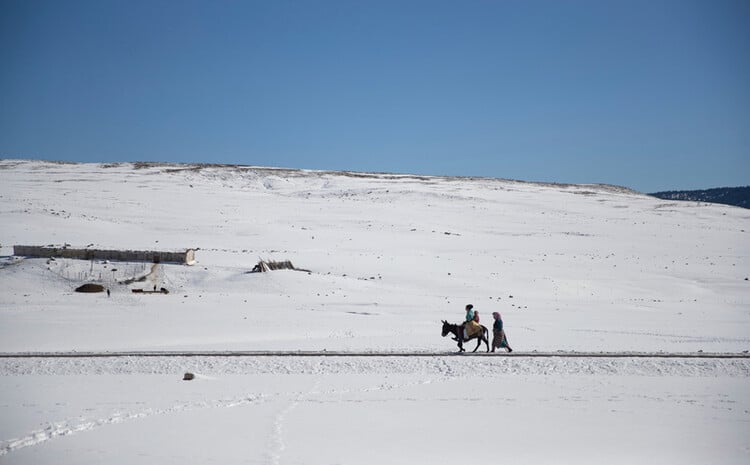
338 365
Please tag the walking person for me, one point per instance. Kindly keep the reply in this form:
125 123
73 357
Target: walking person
499 338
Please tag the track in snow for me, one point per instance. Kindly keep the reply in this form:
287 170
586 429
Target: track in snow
326 353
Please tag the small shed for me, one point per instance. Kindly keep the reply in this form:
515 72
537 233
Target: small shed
265 265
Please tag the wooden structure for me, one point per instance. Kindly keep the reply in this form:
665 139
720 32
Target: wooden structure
265 265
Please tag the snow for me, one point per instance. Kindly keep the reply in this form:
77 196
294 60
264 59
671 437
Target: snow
571 268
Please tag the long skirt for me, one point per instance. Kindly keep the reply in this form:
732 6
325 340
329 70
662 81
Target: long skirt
499 339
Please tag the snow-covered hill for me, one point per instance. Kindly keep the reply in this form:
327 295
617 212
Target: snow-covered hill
586 268
390 256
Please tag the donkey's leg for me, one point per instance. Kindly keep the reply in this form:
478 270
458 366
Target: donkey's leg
479 342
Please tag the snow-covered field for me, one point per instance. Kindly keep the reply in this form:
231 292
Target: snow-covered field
571 268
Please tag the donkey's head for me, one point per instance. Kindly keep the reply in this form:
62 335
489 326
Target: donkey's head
446 328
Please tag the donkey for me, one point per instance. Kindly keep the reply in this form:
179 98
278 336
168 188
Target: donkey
458 333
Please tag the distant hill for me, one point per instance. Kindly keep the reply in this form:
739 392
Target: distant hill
737 196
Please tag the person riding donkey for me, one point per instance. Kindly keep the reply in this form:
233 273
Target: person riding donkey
469 329
471 326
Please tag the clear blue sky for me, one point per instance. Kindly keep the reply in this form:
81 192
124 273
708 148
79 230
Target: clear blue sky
653 95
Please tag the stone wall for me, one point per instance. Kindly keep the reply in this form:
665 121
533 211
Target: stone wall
184 257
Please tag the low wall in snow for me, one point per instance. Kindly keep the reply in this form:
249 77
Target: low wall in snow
186 257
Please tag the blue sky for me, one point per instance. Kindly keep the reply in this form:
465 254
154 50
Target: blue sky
653 95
